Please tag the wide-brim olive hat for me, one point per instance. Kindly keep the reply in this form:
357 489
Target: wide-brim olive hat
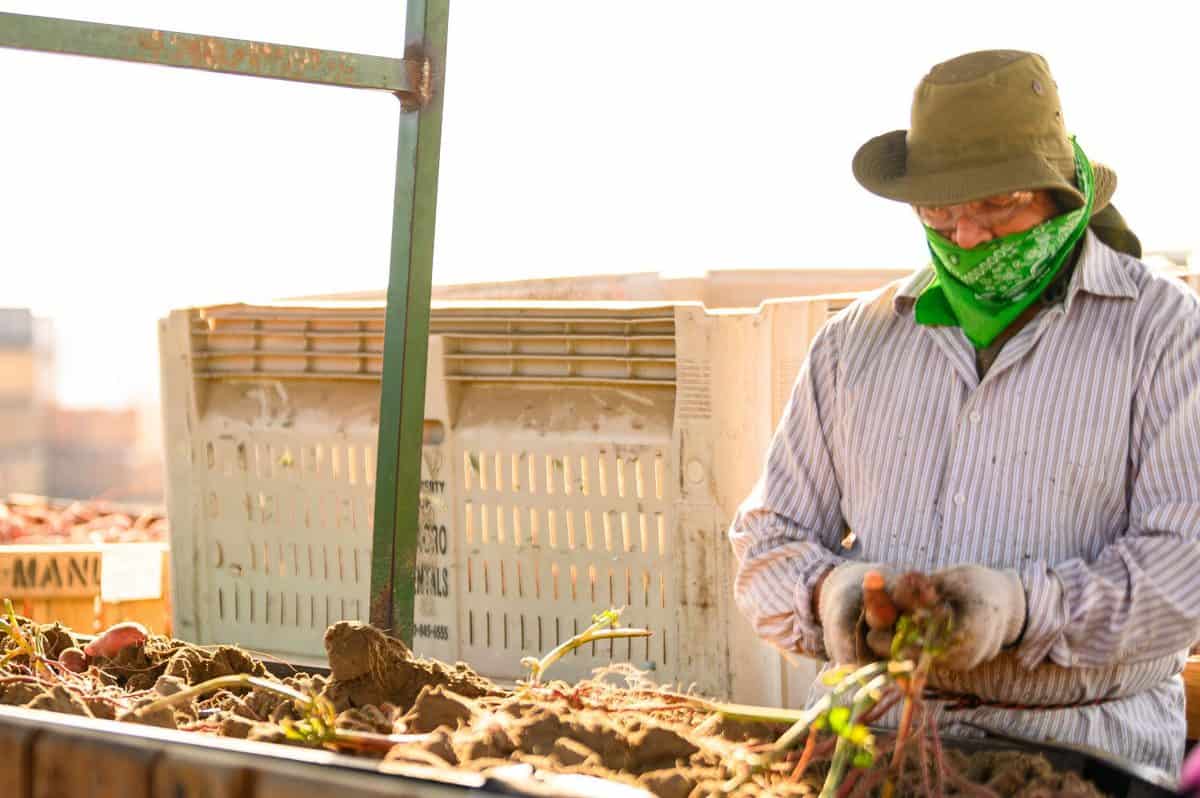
984 123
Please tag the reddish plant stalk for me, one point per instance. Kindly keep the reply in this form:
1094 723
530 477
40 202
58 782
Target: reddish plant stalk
869 782
848 785
963 784
935 742
923 756
810 745
912 695
883 707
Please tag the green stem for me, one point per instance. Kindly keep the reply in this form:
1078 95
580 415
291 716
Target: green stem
596 631
864 699
219 683
747 712
371 741
862 678
855 679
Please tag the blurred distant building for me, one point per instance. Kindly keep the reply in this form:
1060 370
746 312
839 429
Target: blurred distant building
26 388
91 451
62 452
99 454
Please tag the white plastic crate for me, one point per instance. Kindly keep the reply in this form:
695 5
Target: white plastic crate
718 288
591 455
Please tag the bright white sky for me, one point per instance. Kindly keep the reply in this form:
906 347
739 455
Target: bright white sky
579 138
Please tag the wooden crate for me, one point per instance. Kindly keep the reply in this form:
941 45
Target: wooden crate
89 587
1191 683
48 755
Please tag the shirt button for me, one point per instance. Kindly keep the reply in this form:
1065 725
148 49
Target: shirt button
959 499
975 417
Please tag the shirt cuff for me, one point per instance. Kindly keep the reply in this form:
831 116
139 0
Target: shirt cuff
1046 617
810 637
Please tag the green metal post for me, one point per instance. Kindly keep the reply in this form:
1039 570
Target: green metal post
406 338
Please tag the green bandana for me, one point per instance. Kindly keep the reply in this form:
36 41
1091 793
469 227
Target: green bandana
985 288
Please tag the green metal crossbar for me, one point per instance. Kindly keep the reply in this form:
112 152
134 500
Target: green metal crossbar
417 79
209 53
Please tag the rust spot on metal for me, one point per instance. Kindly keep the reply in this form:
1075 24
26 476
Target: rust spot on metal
150 41
261 58
420 75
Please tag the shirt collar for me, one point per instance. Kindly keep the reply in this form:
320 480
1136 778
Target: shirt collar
1099 272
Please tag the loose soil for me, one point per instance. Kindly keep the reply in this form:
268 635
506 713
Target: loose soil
451 717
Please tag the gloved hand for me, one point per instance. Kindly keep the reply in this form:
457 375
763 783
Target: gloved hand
989 613
840 610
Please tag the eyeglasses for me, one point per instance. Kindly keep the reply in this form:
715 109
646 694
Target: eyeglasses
988 213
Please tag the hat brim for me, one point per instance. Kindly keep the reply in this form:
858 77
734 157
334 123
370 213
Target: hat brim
880 166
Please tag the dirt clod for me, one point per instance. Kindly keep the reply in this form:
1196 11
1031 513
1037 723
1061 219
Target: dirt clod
162 717
56 639
137 667
668 783
60 699
19 693
572 752
368 667
1021 775
658 747
367 719
416 755
195 665
436 707
169 685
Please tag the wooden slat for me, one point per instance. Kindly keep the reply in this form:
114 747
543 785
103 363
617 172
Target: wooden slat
1191 683
309 781
49 755
16 754
200 773
49 571
90 766
78 614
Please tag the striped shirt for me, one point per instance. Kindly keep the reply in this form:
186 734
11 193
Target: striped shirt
1075 461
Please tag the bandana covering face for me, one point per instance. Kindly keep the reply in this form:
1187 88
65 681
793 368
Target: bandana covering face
985 288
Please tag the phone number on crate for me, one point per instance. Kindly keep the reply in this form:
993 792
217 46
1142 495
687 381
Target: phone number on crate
433 631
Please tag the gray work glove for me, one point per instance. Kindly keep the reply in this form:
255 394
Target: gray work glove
989 613
840 607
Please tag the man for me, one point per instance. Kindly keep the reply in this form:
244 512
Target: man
1020 419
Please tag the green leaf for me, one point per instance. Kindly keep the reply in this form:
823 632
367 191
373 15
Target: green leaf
898 637
863 758
858 734
832 678
609 617
839 718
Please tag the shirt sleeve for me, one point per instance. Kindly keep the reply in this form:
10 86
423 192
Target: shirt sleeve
1139 599
784 532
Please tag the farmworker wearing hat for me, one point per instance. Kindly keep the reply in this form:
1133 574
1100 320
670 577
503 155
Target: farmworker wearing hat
1020 419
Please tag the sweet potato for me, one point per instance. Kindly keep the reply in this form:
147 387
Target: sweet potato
73 659
881 613
914 589
110 642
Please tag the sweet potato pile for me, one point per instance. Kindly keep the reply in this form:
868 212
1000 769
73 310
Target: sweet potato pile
36 520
